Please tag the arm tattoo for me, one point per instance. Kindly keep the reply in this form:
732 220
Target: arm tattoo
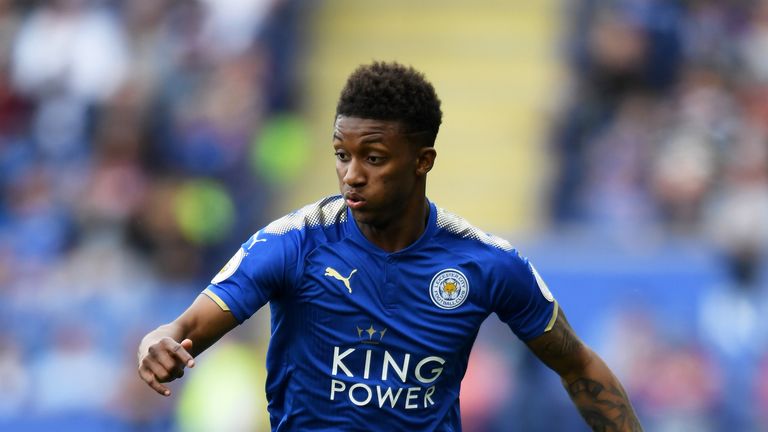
604 409
597 394
563 342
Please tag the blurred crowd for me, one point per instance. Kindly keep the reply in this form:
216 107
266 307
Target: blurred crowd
664 134
666 124
136 142
140 141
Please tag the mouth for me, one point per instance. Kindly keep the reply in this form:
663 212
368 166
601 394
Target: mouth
354 200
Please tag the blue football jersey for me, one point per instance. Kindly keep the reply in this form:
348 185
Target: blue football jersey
364 339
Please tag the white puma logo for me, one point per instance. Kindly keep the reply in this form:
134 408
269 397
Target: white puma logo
256 239
334 274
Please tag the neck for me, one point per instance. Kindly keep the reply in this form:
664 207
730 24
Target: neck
400 233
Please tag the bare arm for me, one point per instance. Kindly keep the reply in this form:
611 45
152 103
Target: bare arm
594 389
165 352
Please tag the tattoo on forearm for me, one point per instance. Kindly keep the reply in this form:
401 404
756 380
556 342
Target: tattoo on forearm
597 394
564 341
604 409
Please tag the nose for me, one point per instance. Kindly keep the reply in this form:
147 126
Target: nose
354 174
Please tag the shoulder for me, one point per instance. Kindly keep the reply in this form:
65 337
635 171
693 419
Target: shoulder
508 278
494 252
281 244
325 213
301 230
456 229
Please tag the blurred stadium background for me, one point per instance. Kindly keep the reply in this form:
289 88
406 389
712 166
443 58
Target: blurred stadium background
621 145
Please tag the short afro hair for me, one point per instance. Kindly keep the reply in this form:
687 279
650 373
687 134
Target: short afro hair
391 91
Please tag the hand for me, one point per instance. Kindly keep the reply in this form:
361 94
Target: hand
164 361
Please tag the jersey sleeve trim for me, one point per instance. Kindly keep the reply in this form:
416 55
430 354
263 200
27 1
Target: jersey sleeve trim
216 299
553 319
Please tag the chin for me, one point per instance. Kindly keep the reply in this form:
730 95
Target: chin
367 217
362 216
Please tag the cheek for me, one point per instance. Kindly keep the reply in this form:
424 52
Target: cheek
396 183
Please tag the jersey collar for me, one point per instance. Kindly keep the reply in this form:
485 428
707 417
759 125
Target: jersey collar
359 238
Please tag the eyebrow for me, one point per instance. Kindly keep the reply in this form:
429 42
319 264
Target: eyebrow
376 138
372 140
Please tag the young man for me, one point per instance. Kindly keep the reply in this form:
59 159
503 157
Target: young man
377 295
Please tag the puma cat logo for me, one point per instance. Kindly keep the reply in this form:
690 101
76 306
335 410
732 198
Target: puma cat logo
334 274
256 239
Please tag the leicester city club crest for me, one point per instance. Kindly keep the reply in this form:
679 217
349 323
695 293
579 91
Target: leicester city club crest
449 289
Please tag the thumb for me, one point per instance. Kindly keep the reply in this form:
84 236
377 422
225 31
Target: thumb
186 344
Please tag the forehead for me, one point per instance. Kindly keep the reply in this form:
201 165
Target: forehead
348 127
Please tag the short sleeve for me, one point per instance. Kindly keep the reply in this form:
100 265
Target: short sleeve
254 275
522 299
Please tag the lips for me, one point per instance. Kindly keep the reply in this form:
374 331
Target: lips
354 200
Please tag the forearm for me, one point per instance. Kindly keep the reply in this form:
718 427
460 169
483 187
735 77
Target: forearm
600 397
594 389
203 323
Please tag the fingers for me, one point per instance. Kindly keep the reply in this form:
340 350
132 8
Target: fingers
165 361
150 379
170 367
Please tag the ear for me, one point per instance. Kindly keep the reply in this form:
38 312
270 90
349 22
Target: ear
425 160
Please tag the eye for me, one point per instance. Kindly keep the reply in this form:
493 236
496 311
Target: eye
375 160
342 156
